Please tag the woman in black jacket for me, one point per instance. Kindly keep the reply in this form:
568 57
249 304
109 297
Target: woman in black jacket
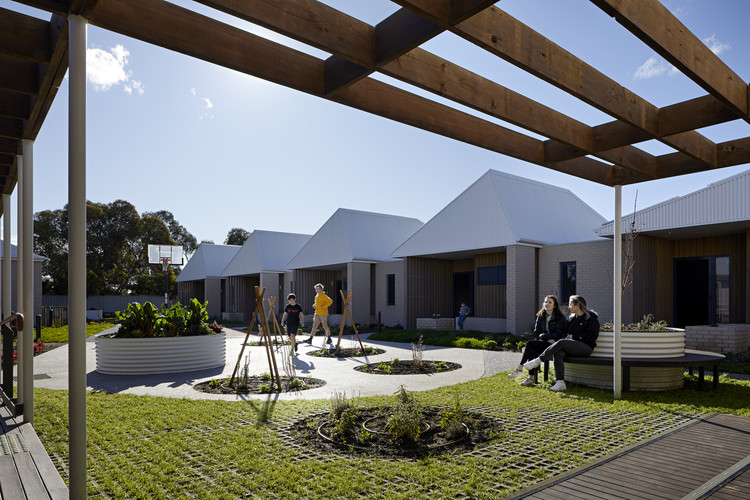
582 332
549 327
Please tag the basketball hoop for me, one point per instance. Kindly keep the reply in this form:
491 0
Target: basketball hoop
165 261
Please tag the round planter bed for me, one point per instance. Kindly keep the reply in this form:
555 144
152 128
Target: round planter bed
142 356
670 343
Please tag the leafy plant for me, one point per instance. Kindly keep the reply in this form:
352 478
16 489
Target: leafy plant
405 422
295 383
384 367
441 365
395 361
139 321
264 388
452 419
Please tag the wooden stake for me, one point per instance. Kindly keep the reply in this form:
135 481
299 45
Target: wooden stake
348 314
277 331
247 337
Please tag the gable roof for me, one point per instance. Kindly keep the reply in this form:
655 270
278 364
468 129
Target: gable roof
14 253
208 261
352 235
723 203
501 209
266 251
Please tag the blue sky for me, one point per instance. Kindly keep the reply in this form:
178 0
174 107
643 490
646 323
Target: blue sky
220 149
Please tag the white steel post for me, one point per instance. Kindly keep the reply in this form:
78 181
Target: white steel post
28 281
617 294
19 277
6 256
77 255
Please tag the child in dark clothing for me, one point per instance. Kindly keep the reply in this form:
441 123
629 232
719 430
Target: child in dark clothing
292 319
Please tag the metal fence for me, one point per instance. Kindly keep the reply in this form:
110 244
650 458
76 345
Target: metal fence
108 304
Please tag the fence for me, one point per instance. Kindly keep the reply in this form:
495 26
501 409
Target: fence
56 306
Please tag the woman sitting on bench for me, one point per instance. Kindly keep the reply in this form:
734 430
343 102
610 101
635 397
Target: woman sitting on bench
549 327
582 332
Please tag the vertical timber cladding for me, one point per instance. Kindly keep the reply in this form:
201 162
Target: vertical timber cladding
652 289
428 289
489 300
241 295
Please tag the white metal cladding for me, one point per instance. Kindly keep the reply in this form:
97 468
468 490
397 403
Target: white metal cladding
351 235
727 200
473 220
266 251
129 356
208 261
501 209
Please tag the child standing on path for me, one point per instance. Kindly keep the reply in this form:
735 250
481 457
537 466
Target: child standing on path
292 319
322 302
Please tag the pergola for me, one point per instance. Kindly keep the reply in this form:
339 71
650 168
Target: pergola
35 55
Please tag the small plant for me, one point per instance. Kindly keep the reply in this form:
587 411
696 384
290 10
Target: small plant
417 351
214 383
339 404
243 382
395 361
490 344
452 420
295 383
265 376
384 367
264 388
441 365
405 422
508 346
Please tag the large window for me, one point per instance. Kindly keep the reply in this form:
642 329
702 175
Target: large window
390 287
567 281
492 275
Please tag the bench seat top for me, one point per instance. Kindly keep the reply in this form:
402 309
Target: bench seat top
690 358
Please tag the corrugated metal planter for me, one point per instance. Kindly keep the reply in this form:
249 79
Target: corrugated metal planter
666 344
144 356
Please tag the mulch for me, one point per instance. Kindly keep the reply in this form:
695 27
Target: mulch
395 367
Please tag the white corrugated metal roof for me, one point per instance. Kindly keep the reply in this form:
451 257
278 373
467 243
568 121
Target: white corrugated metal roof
208 261
14 253
724 201
266 251
352 235
501 209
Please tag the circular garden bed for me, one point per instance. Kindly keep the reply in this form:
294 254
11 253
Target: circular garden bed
349 352
258 384
372 431
396 367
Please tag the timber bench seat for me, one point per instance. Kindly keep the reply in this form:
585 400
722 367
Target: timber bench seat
26 470
689 360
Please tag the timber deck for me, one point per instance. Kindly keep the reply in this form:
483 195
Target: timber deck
26 470
709 458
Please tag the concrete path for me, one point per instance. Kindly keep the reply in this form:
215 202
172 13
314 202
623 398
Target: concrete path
51 371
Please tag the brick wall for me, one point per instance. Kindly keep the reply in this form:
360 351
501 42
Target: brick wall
722 338
521 288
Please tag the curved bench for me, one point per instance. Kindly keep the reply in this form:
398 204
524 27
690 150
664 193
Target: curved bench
690 359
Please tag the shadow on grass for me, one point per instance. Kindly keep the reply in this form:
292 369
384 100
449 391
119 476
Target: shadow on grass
731 397
263 409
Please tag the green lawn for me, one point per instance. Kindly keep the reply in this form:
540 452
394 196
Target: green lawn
150 447
60 333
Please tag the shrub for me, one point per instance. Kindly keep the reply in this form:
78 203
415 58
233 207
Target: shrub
405 422
147 321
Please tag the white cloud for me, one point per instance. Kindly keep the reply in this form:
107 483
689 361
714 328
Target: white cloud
105 69
651 68
715 45
208 102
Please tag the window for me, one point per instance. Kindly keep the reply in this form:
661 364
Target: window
493 275
390 289
567 281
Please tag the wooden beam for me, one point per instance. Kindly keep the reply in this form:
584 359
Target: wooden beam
508 38
6 161
655 26
10 146
24 36
52 76
402 106
170 26
60 7
10 128
13 105
19 75
736 152
693 114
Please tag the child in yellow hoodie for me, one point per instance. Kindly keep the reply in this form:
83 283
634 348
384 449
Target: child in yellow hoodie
321 305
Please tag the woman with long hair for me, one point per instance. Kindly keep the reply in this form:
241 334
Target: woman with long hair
582 332
549 327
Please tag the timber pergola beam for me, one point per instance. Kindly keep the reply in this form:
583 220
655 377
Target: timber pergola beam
655 26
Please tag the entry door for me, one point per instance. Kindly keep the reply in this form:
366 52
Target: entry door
692 292
463 291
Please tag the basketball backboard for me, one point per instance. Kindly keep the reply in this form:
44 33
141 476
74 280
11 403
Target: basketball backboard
156 254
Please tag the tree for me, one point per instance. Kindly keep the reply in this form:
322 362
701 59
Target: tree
207 242
179 234
116 247
236 236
